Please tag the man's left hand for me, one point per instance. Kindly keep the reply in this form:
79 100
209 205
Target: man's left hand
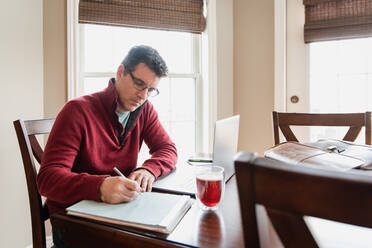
144 178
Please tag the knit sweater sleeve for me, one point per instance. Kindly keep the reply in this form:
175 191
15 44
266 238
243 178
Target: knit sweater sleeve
163 151
55 179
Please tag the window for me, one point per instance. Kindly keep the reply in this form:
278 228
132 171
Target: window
328 76
102 48
340 80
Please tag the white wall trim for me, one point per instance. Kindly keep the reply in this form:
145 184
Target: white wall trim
212 68
200 138
297 57
72 49
280 67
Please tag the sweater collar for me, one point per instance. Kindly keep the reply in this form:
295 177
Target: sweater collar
110 97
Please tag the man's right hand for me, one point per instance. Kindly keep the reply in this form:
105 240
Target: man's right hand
118 189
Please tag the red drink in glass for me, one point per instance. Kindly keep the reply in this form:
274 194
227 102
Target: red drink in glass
210 188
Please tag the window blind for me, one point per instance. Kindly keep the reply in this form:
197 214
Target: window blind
174 15
337 19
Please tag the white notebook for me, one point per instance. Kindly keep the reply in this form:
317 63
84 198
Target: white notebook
153 211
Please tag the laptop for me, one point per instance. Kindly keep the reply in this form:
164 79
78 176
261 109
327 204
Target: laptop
225 144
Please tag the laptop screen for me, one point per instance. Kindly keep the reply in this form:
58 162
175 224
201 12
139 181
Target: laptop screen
182 180
225 144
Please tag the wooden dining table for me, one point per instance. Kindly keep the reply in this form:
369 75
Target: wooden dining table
199 228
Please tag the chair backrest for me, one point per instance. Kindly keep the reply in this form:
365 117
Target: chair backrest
355 122
29 146
288 192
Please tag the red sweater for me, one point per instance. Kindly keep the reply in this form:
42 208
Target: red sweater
87 141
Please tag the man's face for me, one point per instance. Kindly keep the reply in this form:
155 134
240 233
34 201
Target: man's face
130 97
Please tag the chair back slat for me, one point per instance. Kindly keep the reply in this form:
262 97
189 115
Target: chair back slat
355 122
368 125
26 134
288 134
352 134
248 209
41 126
276 127
37 151
323 119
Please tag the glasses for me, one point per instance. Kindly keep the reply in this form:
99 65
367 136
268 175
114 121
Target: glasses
140 86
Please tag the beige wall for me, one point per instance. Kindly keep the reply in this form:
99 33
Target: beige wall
55 60
254 72
32 85
21 96
55 56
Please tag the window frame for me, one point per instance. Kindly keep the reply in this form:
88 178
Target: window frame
292 60
206 92
291 55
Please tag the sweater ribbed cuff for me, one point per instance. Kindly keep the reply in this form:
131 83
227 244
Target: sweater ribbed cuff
94 185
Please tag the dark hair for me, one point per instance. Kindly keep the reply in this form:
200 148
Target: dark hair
147 55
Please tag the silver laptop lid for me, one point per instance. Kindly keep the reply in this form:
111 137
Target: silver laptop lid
182 180
225 144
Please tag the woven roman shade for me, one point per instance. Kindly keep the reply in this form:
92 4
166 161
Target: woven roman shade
337 19
175 15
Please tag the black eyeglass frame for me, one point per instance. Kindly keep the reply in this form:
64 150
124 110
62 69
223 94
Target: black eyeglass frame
140 86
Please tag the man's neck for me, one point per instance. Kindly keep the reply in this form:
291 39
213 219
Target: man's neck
120 108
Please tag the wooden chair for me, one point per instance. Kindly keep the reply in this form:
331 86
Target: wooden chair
29 146
289 192
355 122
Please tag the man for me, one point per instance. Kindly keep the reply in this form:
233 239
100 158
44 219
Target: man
95 133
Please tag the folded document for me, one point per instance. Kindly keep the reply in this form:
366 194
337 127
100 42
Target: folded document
328 154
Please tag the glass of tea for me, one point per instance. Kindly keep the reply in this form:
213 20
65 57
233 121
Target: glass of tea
210 185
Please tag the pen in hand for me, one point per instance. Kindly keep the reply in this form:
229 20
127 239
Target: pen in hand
119 173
